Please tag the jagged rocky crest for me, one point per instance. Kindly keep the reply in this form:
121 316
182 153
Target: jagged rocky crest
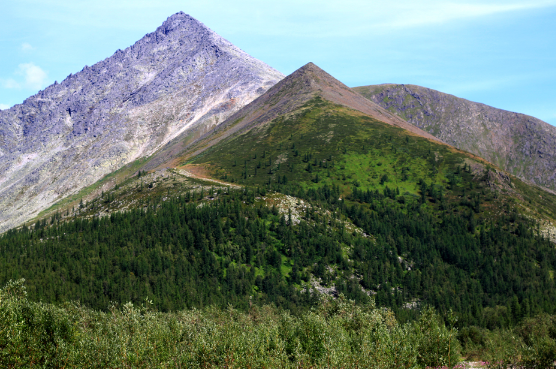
523 145
127 106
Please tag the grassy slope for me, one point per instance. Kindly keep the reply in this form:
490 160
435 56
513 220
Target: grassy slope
524 147
108 180
346 148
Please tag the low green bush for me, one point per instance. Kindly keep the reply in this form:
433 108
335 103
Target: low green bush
336 334
531 344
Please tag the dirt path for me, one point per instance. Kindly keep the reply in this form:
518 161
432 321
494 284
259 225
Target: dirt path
199 172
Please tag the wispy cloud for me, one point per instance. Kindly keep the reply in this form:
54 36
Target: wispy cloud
10 83
26 47
414 14
4 106
33 77
353 18
287 17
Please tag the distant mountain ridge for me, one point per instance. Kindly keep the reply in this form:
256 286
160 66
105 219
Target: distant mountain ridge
523 145
127 106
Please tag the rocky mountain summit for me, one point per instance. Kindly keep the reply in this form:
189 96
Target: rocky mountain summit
66 137
521 144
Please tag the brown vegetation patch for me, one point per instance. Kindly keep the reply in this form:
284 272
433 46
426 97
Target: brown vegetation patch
198 170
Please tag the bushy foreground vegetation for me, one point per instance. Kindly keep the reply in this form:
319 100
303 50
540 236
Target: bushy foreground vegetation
531 344
336 334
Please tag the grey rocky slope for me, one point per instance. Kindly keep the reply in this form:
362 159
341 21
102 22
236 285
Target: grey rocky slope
182 76
521 144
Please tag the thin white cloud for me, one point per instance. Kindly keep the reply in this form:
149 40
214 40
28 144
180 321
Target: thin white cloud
26 47
352 18
33 77
10 83
439 12
4 106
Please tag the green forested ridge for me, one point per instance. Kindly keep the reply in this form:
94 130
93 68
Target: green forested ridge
178 253
434 246
464 229
327 144
373 212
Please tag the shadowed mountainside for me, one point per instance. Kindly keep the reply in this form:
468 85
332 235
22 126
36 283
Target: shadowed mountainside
523 145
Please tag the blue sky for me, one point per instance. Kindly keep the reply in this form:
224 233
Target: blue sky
501 53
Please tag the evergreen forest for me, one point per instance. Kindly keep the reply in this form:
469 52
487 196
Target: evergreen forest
314 214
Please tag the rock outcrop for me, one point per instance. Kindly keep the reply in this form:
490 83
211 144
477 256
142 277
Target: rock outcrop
71 134
523 145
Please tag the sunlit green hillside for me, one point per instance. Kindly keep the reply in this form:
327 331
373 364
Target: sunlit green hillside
324 199
323 144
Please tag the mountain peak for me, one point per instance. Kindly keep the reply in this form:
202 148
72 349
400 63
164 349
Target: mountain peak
178 27
178 21
309 67
180 77
310 81
314 77
290 94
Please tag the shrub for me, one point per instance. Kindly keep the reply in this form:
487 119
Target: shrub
437 345
338 333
